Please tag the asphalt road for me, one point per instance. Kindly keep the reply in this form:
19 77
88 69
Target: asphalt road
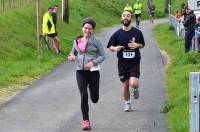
52 104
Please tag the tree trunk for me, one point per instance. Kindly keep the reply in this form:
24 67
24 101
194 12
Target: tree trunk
149 3
166 6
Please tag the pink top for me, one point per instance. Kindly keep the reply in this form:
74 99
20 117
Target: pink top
81 44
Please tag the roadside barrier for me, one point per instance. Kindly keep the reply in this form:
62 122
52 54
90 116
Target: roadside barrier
194 101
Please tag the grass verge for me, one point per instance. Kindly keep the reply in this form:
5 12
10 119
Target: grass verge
177 78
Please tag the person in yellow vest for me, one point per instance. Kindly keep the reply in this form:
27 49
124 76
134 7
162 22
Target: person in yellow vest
137 11
128 7
48 29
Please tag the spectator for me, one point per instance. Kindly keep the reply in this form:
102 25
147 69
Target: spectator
178 16
54 15
48 29
197 33
189 23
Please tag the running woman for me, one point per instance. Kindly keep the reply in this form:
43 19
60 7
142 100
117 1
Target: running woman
89 52
126 42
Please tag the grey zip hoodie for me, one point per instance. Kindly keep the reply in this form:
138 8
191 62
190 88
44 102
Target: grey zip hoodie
94 52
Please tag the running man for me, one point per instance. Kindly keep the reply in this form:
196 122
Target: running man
152 9
128 8
138 12
126 42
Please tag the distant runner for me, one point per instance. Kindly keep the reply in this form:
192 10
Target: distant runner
138 12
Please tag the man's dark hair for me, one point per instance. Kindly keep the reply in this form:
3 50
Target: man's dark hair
128 11
50 8
89 21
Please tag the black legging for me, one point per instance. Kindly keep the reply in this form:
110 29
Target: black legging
85 78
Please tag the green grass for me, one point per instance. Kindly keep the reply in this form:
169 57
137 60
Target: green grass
177 78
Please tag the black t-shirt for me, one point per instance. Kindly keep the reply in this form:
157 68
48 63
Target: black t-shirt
121 37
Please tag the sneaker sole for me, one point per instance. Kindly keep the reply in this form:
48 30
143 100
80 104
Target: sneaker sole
86 129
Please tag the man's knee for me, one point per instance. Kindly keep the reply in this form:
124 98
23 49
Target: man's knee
134 82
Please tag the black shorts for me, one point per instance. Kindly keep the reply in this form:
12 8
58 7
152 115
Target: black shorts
152 14
137 15
127 69
53 35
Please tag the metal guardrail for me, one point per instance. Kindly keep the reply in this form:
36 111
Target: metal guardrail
194 101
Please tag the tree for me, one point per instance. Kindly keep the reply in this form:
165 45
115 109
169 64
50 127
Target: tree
166 6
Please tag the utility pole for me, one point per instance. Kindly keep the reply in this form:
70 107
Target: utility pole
65 11
38 12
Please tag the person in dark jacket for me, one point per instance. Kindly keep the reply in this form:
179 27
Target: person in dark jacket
54 15
189 23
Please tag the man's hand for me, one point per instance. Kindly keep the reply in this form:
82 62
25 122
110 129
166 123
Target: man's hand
116 48
134 45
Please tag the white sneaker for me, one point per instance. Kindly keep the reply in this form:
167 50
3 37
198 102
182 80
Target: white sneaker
127 107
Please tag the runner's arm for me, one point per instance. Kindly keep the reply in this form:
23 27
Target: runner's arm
115 48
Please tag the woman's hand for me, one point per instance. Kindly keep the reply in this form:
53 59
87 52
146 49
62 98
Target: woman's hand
89 65
71 57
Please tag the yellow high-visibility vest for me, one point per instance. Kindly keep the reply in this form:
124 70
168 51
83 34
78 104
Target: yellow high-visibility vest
47 24
137 8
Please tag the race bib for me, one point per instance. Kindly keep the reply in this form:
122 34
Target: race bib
128 55
95 68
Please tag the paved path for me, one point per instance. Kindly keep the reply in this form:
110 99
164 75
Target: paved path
52 104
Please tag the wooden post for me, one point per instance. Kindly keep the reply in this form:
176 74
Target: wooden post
65 11
9 4
3 5
194 101
38 12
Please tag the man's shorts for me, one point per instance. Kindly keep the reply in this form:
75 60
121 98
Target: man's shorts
53 35
127 69
152 14
137 15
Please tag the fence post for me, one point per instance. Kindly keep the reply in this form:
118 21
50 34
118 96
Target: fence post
3 6
14 3
65 10
9 4
194 101
38 12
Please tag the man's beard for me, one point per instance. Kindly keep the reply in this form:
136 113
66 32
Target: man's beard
127 23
